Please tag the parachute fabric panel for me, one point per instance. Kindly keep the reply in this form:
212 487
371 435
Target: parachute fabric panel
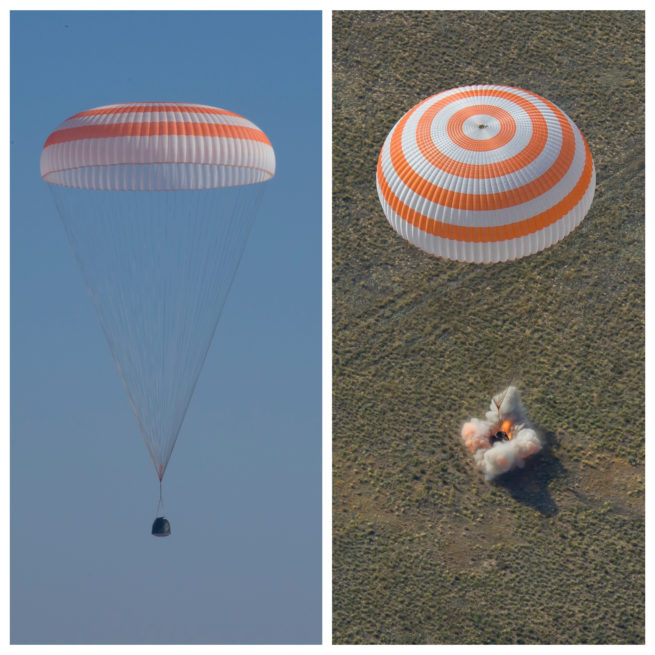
156 147
159 267
485 174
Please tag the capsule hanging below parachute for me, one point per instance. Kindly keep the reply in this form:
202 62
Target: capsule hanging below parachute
485 174
158 199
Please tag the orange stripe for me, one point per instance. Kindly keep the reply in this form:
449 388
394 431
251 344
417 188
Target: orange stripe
483 171
489 234
484 202
460 138
144 129
126 109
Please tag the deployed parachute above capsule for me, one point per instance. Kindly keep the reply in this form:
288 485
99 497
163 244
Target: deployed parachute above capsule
485 174
157 199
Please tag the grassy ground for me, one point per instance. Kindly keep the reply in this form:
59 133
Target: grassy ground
424 550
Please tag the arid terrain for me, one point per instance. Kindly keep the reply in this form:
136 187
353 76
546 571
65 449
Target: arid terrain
424 550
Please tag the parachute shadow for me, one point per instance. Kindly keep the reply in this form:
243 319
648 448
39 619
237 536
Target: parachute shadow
529 485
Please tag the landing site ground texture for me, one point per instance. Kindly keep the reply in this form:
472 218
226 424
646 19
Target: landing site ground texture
424 550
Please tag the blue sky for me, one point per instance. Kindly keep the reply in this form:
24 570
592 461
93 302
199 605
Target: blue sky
243 488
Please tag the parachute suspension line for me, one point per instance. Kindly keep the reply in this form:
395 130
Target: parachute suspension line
160 504
227 239
161 526
159 267
247 201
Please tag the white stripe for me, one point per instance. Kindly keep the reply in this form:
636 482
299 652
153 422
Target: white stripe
157 103
155 117
219 151
157 177
481 127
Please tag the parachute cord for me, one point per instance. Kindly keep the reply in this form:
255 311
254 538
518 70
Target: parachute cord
160 505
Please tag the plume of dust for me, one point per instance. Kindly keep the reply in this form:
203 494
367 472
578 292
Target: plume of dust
506 414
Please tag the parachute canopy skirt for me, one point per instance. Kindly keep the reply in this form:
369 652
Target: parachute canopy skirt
485 174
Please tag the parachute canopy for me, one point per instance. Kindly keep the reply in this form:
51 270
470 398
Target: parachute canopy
155 146
485 174
157 200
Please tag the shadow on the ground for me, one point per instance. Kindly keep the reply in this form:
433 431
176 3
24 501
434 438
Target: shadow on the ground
529 485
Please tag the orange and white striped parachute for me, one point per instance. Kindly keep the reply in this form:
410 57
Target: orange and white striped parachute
154 146
157 199
485 174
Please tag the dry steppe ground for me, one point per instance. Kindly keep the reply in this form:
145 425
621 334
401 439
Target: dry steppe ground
426 551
